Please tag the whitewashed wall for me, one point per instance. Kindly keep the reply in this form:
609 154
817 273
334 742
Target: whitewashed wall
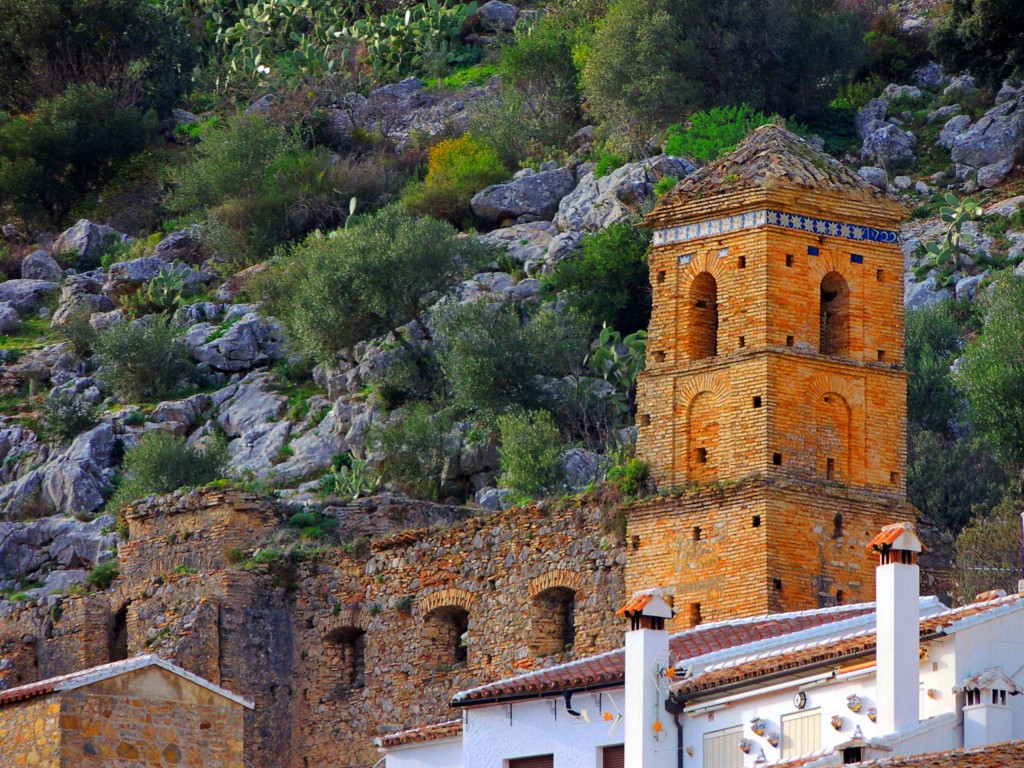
490 740
442 753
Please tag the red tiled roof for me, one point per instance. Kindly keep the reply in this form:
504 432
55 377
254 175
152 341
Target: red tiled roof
1008 754
608 669
889 534
818 654
103 672
636 603
445 730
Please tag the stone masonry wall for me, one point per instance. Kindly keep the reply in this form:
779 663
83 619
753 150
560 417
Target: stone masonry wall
149 718
30 734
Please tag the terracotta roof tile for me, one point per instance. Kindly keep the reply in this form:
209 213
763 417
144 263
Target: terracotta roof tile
821 653
1008 754
608 669
636 603
445 730
890 533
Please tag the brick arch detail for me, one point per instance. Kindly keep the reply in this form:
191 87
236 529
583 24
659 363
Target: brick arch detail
706 383
557 578
350 616
454 596
825 384
831 261
707 261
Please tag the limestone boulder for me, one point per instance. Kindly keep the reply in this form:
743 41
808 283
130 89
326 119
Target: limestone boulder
78 481
954 127
961 85
184 245
526 243
942 114
874 176
967 287
993 175
314 450
10 320
62 542
251 342
81 295
597 203
531 197
918 295
894 91
998 136
26 296
39 265
889 145
582 467
929 75
497 16
870 116
250 407
87 241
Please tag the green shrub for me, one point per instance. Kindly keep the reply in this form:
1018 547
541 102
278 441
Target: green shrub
142 361
424 39
64 415
988 552
608 281
665 185
71 145
349 478
131 47
167 291
709 135
416 446
161 463
985 37
632 477
993 374
365 281
258 187
531 454
456 170
494 358
653 61
932 339
314 525
78 332
608 162
949 479
102 576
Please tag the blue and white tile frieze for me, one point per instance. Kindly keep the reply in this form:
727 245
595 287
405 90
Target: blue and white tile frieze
753 219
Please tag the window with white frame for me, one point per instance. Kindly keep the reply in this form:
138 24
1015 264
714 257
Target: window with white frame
722 748
801 733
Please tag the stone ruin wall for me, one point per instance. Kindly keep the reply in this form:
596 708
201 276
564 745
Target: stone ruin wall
277 632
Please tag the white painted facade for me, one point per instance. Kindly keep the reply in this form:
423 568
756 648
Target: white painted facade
439 753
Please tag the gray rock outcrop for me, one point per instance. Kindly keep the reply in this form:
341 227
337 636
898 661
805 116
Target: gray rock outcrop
497 16
997 136
889 145
87 240
250 342
530 197
26 296
80 295
10 320
39 265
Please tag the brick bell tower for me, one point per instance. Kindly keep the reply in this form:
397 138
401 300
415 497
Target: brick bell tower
773 406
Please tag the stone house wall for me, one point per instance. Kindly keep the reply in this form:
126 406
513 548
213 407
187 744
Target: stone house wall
30 733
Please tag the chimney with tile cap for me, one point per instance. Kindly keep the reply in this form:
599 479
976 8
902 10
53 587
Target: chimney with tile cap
648 744
897 589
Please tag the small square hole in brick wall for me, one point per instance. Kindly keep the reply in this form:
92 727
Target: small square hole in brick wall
701 304
695 616
696 533
777 585
830 468
645 420
661 275
881 355
743 341
741 262
701 455
880 275
789 341
789 259
635 542
757 401
487 658
894 478
840 596
777 459
755 521
828 398
659 356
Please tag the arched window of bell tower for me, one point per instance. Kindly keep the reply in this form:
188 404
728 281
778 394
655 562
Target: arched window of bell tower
834 315
703 319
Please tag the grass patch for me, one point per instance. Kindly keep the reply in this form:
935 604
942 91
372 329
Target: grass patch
478 74
33 334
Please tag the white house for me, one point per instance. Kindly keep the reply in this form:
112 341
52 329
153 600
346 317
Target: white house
816 688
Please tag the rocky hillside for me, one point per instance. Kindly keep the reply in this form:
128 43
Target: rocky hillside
422 274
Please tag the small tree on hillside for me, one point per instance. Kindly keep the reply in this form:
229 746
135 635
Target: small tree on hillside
366 281
988 552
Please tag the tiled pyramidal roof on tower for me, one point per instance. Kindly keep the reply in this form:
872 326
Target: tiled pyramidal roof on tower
771 158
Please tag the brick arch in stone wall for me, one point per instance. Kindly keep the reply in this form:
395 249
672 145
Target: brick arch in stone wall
446 615
558 577
444 598
554 596
702 445
836 412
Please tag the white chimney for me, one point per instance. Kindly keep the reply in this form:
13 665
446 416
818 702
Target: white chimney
648 742
897 589
988 714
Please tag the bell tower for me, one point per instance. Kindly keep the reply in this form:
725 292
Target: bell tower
774 379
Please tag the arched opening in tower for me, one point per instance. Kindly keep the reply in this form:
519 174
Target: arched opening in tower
834 316
703 325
